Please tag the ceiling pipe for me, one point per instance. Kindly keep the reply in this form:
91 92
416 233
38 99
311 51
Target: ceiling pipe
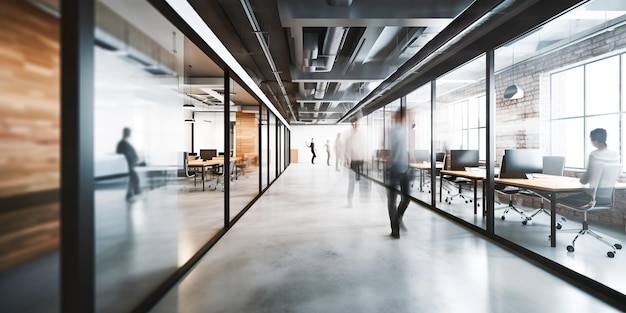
320 90
312 60
266 50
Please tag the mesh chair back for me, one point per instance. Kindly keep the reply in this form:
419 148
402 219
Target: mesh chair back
553 165
605 184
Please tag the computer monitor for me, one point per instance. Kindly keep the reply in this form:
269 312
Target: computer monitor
517 162
460 159
421 156
207 154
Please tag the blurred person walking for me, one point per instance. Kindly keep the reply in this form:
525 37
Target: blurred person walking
397 173
355 153
327 147
312 146
338 151
124 147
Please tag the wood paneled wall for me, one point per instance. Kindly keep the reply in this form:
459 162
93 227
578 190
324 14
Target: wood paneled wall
29 133
29 101
247 136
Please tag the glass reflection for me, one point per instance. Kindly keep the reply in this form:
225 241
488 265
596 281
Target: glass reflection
158 147
30 159
460 134
567 96
418 106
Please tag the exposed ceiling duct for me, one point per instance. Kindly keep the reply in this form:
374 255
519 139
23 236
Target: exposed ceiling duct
312 60
266 51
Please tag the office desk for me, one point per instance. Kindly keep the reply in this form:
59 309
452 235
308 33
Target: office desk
552 185
475 176
204 165
424 167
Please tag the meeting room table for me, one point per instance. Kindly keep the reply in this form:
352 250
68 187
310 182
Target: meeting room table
204 165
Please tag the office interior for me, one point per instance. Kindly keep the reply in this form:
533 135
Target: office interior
542 91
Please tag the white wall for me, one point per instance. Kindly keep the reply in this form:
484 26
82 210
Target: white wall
320 133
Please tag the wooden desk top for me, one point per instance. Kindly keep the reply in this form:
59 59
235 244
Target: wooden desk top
200 163
480 175
550 183
425 166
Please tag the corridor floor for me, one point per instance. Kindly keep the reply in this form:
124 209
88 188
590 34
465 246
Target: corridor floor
301 248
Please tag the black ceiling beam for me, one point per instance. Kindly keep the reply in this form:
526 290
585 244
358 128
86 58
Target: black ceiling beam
519 17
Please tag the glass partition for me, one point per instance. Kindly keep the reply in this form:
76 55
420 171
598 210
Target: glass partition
264 129
376 133
460 133
30 168
244 185
272 146
418 109
553 88
159 152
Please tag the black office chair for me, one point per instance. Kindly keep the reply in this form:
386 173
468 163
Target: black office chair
440 157
230 175
508 191
603 189
552 165
457 183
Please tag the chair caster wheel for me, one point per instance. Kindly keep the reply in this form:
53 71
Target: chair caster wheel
570 248
471 200
559 226
610 254
618 246
524 222
503 218
466 201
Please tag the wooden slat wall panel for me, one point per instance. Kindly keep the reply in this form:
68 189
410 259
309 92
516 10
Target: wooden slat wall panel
247 129
29 132
29 105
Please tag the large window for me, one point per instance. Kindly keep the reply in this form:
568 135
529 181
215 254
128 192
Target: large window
583 98
470 125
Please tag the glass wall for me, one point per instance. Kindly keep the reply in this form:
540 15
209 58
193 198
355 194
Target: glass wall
570 87
159 150
264 129
244 178
272 146
30 159
376 144
460 133
418 109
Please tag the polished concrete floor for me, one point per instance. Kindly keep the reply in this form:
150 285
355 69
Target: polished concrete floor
301 248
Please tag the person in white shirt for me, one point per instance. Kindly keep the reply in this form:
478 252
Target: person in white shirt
338 151
597 159
355 153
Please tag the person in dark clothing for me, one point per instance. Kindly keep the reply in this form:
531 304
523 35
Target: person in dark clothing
398 176
312 146
125 148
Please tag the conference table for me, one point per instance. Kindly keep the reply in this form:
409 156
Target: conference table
475 175
204 165
424 167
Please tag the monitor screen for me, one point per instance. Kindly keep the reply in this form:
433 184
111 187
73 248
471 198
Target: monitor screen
517 162
460 159
207 154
